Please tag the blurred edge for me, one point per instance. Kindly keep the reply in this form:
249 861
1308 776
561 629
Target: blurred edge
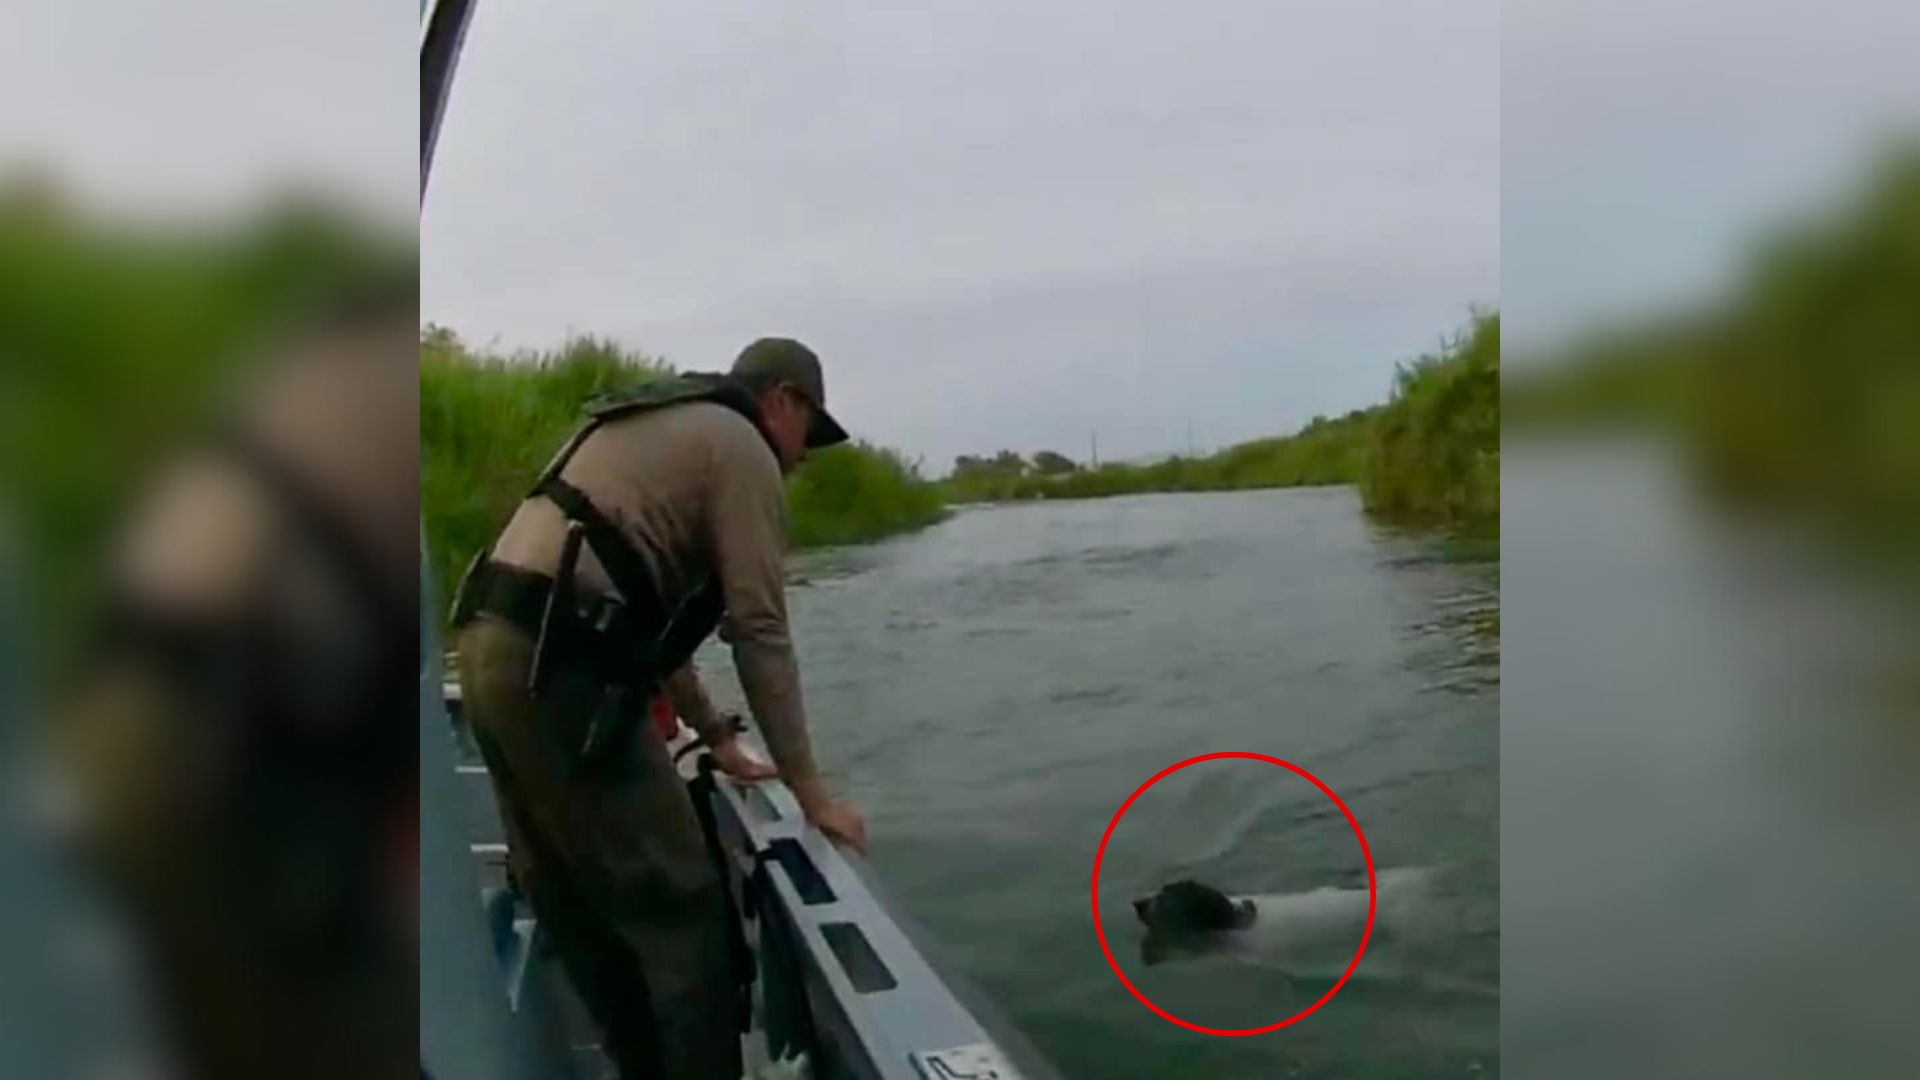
212 235
1711 553
1799 396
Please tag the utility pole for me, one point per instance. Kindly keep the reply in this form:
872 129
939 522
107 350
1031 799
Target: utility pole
1094 435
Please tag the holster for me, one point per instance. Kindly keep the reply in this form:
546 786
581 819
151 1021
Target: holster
560 630
580 641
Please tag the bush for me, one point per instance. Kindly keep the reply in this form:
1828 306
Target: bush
857 493
1434 455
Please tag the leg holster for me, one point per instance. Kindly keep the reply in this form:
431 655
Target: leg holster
576 635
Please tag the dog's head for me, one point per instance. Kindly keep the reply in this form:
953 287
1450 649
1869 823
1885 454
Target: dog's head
1187 916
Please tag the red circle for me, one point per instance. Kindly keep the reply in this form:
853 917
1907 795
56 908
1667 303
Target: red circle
1365 852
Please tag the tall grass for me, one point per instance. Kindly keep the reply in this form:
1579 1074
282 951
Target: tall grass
1799 393
122 340
857 493
490 423
1434 456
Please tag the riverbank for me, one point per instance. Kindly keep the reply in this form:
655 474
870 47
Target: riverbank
1428 458
489 423
1324 453
1433 451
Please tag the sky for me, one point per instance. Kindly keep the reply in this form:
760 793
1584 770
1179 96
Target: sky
205 108
1004 226
1000 224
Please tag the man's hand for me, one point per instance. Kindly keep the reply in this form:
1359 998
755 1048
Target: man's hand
734 760
840 821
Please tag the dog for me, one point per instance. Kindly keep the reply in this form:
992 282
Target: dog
1189 917
1292 930
1419 922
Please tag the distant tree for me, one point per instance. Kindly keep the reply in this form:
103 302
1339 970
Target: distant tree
1049 463
439 338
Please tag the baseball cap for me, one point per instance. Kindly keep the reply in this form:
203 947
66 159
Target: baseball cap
775 359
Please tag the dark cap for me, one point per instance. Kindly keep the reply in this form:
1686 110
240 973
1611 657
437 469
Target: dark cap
784 360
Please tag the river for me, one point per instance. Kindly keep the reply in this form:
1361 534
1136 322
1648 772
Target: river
991 689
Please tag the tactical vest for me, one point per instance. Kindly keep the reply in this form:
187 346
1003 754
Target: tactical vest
653 638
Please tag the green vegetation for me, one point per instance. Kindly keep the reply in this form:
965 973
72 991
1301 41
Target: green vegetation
120 339
1428 458
1433 458
1797 394
1324 452
1806 395
489 423
858 493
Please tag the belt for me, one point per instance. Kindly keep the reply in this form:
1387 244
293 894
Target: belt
519 597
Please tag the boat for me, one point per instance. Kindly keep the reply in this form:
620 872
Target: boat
839 984
842 985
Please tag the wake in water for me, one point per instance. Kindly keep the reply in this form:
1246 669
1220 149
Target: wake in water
1418 923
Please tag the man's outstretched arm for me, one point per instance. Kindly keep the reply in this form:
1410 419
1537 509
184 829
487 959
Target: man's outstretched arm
748 522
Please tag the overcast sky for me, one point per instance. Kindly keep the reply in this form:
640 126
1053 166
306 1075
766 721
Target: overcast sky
207 107
1004 226
1000 223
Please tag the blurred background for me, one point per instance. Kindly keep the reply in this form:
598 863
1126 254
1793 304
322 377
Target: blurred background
208 417
1711 432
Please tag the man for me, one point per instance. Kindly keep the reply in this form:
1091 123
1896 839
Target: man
667 509
241 731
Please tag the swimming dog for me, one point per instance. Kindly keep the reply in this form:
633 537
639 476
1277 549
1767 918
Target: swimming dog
1292 930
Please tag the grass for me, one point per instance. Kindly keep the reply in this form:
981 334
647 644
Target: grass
1433 453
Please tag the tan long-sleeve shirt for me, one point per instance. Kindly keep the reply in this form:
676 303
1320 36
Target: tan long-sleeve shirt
698 492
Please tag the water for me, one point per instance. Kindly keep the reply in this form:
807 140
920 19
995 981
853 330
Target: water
991 690
1710 769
